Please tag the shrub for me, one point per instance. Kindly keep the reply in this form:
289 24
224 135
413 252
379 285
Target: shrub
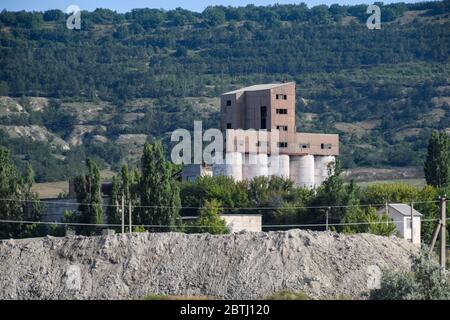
209 220
425 281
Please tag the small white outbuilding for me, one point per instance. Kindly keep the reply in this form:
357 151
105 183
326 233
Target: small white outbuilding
241 222
400 213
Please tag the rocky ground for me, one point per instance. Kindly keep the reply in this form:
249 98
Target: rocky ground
235 266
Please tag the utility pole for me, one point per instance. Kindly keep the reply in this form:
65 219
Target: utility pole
412 221
443 232
386 209
123 215
326 218
435 235
129 215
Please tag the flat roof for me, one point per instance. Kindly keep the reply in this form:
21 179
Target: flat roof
259 87
404 209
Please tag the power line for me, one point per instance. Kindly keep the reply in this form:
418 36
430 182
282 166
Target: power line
342 223
222 208
203 226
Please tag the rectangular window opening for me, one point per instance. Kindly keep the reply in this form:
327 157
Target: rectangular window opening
263 124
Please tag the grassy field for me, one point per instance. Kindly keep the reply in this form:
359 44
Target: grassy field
53 189
419 183
50 189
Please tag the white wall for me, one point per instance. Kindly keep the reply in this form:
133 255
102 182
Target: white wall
416 229
403 226
239 222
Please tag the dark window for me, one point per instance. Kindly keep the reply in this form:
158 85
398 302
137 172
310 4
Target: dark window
228 102
263 111
228 125
304 145
284 97
283 128
281 111
325 146
263 124
282 144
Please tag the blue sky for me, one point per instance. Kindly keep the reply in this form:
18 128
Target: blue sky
127 5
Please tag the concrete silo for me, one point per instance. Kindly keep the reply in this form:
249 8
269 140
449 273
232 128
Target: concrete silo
231 168
302 170
255 165
279 165
321 164
233 161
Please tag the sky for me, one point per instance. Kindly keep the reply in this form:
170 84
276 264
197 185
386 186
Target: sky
127 5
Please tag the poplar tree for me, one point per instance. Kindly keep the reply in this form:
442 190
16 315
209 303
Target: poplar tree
10 185
87 188
114 215
158 192
125 184
437 163
19 202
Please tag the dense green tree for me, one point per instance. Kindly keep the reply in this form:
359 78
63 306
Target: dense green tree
214 15
114 214
333 193
368 221
18 201
209 219
53 15
159 194
437 163
87 188
230 193
10 186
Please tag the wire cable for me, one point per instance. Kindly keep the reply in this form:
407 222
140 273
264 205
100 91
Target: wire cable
56 202
205 226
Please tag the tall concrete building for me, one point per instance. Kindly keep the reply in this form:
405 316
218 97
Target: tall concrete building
258 118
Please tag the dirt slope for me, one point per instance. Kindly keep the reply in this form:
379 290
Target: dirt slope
239 266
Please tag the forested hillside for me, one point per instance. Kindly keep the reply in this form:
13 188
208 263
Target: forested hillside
99 91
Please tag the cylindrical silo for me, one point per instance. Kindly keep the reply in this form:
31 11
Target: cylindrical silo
321 167
302 170
231 166
279 166
233 161
255 165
